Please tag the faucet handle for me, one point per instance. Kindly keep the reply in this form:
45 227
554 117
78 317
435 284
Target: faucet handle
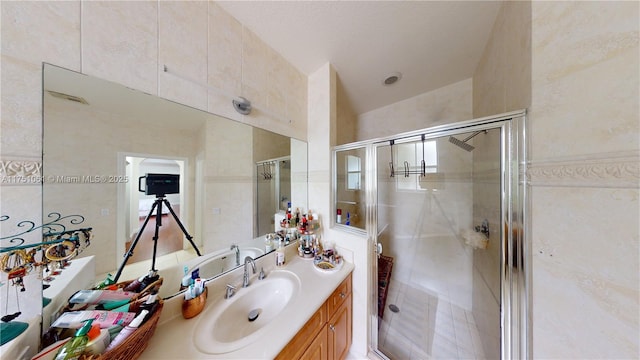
231 290
262 275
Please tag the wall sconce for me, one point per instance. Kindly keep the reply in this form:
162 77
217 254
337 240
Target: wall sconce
242 105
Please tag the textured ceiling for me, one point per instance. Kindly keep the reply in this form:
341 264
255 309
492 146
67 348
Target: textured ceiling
432 43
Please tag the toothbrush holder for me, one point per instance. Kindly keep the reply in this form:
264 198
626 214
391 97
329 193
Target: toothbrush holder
193 307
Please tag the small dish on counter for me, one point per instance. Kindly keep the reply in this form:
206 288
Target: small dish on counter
326 266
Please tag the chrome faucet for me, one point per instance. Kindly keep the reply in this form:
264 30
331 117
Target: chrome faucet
230 291
245 279
237 250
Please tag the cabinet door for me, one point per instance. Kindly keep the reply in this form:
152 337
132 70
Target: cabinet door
319 347
339 295
301 341
339 330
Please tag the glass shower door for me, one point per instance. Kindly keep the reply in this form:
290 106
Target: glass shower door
438 221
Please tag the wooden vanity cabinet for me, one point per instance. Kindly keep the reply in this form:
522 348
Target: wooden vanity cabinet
339 330
327 335
319 347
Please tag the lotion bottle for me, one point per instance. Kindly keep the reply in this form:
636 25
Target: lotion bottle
75 347
128 330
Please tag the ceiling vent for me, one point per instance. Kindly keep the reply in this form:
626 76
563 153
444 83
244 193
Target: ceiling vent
67 97
392 78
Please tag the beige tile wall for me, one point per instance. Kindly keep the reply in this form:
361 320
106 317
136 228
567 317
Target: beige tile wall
448 104
585 179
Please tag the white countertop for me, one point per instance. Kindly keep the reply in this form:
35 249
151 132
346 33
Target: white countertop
174 335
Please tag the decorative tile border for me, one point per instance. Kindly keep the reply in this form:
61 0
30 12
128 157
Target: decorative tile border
20 172
613 170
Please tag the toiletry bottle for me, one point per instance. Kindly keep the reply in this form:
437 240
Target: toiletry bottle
114 331
74 319
74 347
134 285
280 257
151 304
149 279
297 220
128 330
99 339
268 244
100 296
348 222
338 216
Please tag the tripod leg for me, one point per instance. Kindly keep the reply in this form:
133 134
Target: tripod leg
155 235
184 231
129 252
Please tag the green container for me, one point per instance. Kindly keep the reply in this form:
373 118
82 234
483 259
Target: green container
75 347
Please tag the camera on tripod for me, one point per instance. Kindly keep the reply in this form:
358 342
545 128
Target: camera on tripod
160 184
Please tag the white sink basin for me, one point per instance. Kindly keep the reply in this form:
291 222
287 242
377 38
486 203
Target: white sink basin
226 326
254 252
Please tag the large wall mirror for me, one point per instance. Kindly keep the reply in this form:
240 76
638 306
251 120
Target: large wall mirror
102 139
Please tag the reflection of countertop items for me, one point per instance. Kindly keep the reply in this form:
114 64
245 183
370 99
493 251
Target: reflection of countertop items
172 275
26 344
277 219
174 336
80 274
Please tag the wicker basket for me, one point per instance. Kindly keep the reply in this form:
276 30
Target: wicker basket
132 347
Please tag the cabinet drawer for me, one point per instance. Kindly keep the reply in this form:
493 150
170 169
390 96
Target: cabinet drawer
305 336
339 295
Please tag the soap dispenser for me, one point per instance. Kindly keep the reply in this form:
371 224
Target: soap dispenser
75 347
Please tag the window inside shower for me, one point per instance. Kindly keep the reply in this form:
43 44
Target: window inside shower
442 299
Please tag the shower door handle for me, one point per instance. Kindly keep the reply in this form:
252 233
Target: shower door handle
378 248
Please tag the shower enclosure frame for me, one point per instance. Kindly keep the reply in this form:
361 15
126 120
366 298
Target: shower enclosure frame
515 267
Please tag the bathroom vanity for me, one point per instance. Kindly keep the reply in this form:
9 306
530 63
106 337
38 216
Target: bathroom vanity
327 335
304 313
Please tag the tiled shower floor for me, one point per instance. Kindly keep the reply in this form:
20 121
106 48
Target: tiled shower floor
426 327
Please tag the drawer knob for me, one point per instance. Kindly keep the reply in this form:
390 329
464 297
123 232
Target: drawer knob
332 328
343 295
